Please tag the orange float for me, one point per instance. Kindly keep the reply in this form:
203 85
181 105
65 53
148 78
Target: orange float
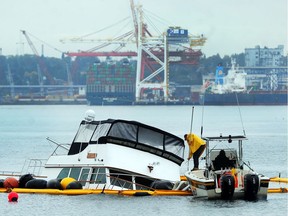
11 182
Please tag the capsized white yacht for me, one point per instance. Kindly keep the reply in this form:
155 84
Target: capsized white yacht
119 155
236 181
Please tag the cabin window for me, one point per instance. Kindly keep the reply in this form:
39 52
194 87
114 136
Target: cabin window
121 179
149 137
174 146
101 130
84 176
98 176
63 173
75 172
142 183
124 131
84 133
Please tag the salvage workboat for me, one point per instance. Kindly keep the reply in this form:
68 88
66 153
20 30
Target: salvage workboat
234 180
114 155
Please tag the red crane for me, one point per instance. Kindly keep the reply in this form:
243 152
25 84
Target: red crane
99 54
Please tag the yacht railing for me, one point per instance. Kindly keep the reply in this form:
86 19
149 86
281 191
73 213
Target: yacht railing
30 166
115 181
9 173
33 166
61 149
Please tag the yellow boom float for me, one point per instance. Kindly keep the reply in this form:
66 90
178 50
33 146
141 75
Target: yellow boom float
131 192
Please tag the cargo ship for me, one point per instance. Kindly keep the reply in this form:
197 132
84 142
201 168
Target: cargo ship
113 82
164 75
232 89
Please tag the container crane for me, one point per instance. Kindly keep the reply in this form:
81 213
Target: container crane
160 51
10 81
41 68
134 21
152 51
122 41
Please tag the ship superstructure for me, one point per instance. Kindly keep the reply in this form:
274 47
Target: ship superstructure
238 87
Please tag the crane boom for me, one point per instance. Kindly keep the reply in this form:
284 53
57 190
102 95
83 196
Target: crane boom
41 64
99 54
30 43
134 21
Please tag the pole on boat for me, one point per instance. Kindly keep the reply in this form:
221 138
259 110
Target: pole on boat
58 144
240 114
201 133
192 116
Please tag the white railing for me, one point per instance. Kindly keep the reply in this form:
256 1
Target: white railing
33 166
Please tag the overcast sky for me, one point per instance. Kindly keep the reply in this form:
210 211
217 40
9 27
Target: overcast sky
229 25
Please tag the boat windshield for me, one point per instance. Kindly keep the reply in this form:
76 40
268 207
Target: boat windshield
84 133
149 136
101 130
130 133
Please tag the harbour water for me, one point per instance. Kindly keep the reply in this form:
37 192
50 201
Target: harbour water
23 132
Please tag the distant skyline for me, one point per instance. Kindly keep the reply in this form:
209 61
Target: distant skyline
229 25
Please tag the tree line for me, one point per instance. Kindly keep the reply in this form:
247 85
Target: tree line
25 69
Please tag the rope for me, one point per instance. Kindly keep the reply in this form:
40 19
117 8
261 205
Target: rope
157 18
240 114
44 42
83 36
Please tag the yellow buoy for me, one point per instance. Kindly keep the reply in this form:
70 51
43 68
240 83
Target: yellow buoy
66 181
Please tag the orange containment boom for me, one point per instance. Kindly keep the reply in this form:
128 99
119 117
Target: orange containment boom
277 179
99 191
277 190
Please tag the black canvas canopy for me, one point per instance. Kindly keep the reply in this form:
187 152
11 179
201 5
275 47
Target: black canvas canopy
132 134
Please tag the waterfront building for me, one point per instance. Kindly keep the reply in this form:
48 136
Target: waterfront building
264 57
